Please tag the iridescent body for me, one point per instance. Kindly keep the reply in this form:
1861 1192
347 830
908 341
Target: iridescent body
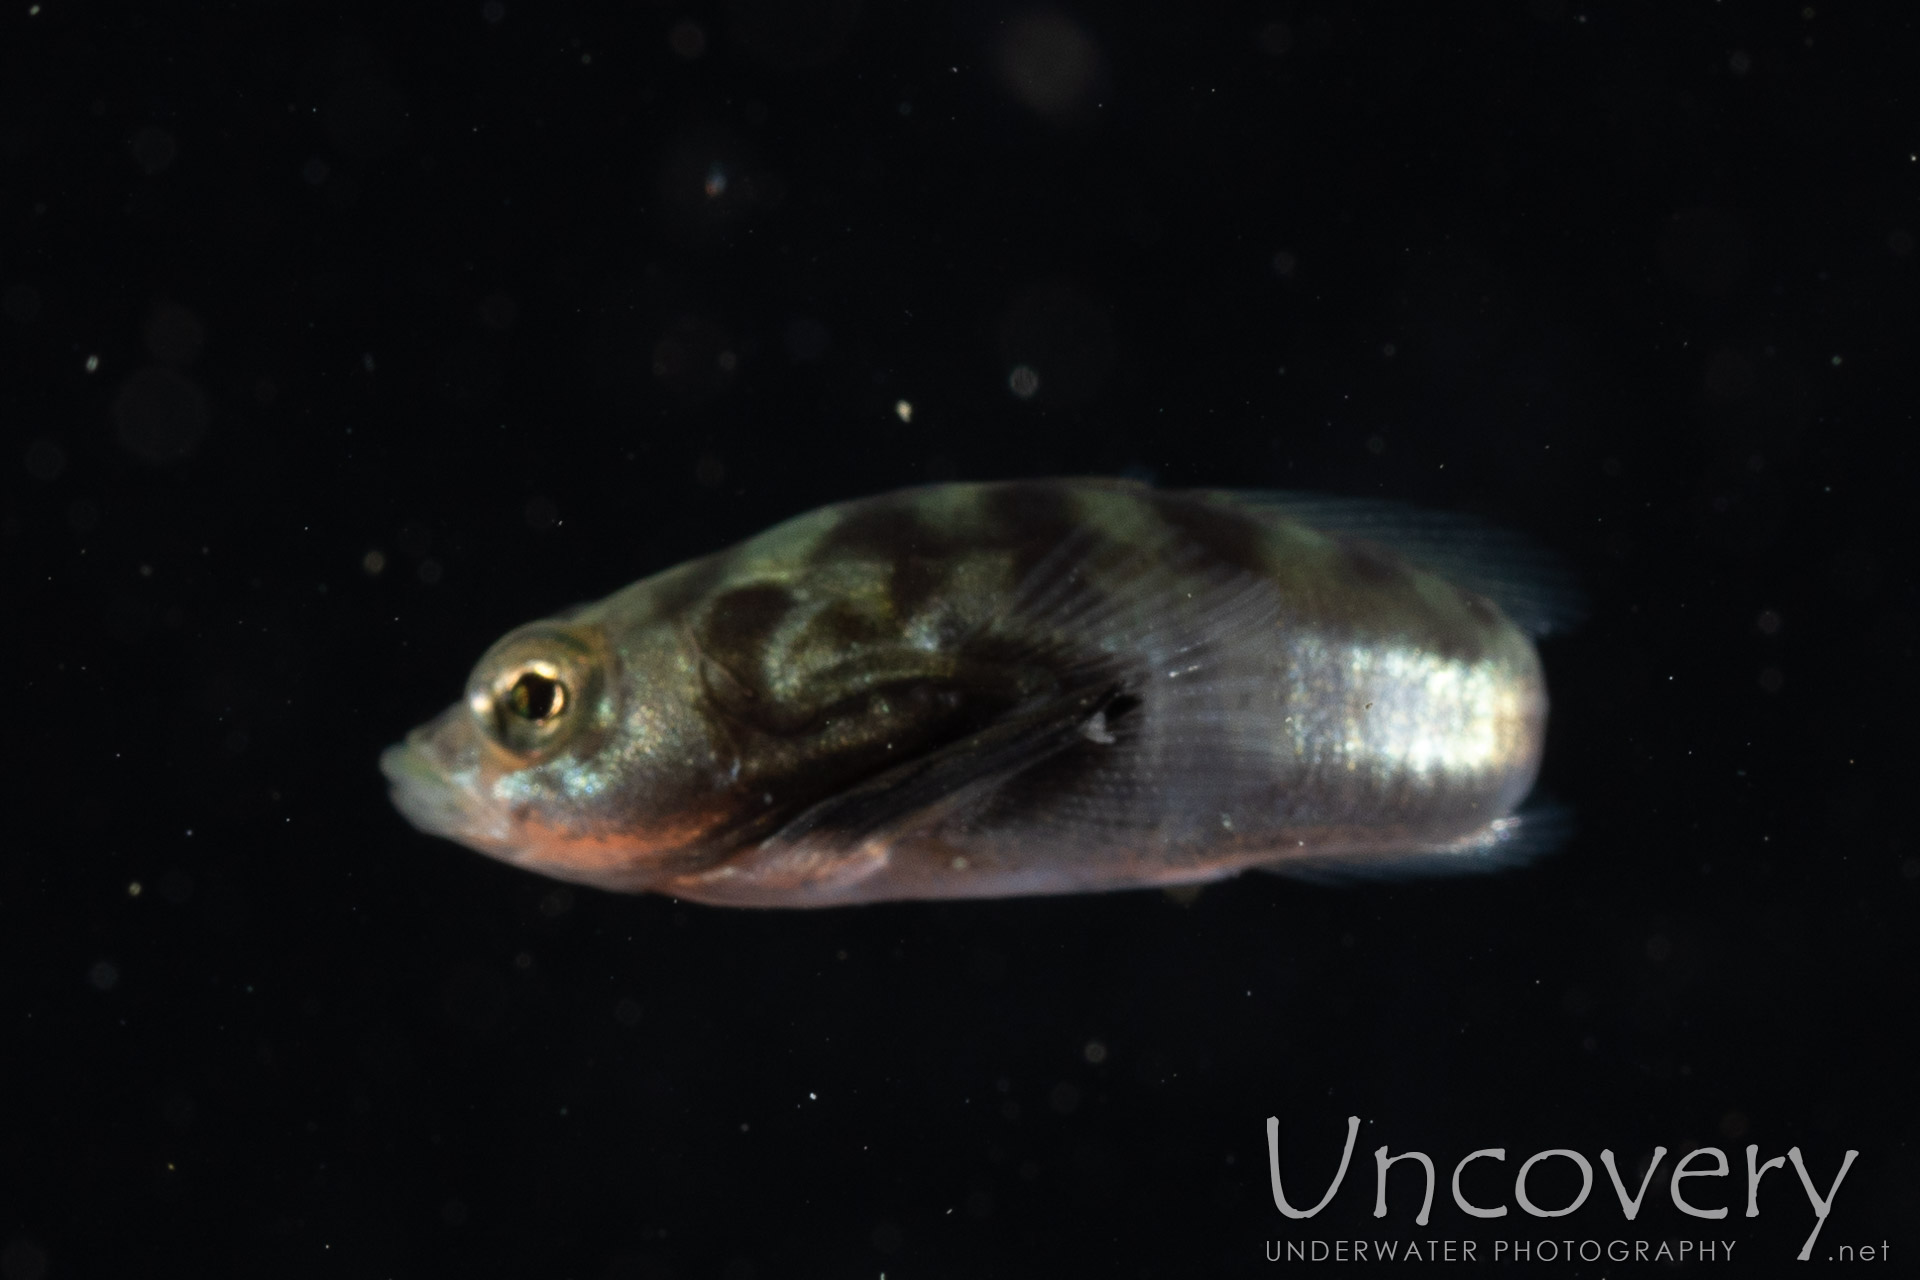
1000 689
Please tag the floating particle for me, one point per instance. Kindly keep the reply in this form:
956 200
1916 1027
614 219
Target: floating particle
687 39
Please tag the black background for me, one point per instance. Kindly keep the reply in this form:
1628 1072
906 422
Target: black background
340 339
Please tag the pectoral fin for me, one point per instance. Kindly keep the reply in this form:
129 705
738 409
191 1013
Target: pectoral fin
932 787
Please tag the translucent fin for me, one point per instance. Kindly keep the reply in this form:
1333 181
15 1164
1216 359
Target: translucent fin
1537 830
1532 585
1156 601
1175 627
1141 635
920 791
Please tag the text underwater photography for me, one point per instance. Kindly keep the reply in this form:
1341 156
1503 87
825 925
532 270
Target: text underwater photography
737 639
1701 1162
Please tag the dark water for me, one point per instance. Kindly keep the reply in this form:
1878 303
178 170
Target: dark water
338 341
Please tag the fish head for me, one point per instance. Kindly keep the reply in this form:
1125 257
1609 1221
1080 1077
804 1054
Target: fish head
568 756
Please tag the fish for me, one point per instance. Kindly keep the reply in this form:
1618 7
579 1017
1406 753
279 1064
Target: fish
986 690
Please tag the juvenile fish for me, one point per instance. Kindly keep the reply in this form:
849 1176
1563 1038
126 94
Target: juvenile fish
984 690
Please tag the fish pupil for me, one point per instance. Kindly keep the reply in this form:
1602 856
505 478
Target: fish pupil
536 697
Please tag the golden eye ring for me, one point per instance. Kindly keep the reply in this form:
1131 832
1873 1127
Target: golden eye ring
526 704
531 691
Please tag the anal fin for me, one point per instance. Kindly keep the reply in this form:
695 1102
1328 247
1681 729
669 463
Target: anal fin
1501 845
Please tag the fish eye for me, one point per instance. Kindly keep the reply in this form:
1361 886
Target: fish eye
529 693
538 695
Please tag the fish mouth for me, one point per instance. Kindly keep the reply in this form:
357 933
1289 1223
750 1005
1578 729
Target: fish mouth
433 802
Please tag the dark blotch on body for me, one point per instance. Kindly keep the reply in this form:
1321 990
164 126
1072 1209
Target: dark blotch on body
1226 536
740 625
892 531
1031 520
915 581
842 627
881 529
1374 564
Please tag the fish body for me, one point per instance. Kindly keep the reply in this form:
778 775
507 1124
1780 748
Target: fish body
986 690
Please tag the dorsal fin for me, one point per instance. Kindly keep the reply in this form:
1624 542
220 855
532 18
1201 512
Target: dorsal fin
1532 585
